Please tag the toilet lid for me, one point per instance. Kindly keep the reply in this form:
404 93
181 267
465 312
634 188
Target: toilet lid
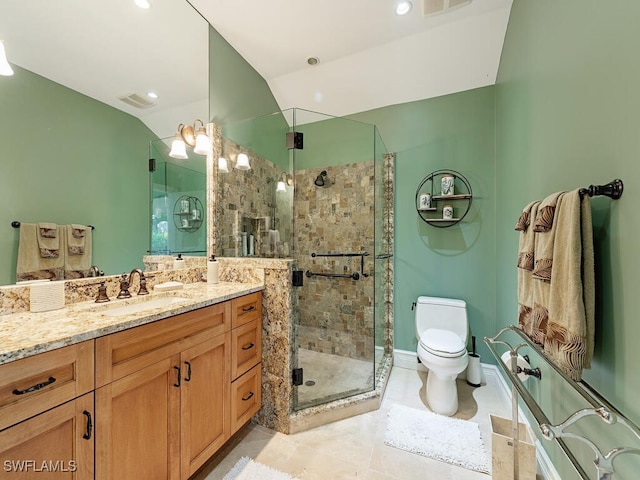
442 342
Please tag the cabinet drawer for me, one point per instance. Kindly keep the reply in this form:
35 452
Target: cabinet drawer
35 384
123 353
246 394
246 308
246 347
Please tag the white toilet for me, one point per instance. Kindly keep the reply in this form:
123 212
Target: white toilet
441 329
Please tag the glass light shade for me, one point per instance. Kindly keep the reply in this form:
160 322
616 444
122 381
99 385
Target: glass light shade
243 162
144 4
5 68
281 187
403 7
222 165
178 149
203 146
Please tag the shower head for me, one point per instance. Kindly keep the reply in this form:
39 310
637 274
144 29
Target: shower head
321 179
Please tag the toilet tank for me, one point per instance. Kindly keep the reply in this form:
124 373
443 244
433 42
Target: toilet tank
443 313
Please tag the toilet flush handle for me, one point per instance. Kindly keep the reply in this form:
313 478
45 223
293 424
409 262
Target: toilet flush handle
413 305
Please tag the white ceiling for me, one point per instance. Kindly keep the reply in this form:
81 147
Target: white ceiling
369 57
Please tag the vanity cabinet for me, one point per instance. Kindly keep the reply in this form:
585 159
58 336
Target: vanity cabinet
246 356
47 414
166 408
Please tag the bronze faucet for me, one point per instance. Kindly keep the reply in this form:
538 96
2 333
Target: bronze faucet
125 283
94 271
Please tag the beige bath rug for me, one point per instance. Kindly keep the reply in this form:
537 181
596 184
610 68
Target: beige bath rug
247 469
442 438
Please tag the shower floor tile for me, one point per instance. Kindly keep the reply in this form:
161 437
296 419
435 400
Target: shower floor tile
354 448
328 376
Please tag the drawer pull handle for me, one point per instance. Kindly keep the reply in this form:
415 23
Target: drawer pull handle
177 384
37 386
248 309
188 377
248 346
244 399
87 435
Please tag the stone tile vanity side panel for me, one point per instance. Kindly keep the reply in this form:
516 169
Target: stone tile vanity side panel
277 337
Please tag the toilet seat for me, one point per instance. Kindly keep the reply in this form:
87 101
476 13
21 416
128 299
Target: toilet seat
442 343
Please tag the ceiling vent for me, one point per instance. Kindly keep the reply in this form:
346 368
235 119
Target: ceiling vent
431 7
138 101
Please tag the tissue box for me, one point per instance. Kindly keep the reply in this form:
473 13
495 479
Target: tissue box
502 451
46 296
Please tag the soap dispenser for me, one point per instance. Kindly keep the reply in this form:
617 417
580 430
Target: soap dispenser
178 262
212 270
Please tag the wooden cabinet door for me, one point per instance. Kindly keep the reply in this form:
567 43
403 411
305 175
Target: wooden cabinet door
57 444
138 424
205 401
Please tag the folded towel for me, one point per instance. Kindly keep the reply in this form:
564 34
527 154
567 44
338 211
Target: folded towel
75 241
532 315
78 230
78 265
48 240
569 340
30 264
48 230
544 225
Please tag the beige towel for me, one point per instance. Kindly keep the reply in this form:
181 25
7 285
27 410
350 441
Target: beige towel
76 239
544 228
48 240
525 266
78 265
570 331
31 265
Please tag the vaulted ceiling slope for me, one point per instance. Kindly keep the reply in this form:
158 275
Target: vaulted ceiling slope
368 56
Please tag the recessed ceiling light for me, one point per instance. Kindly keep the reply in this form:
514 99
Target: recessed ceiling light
403 7
313 60
152 95
143 4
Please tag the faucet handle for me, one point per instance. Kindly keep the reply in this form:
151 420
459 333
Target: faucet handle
124 287
143 285
102 293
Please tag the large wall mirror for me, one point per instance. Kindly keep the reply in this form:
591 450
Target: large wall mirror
76 122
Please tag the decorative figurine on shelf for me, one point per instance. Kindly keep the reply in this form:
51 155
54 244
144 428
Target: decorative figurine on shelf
446 185
425 201
447 212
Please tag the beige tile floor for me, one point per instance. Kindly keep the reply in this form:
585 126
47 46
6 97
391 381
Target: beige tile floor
354 448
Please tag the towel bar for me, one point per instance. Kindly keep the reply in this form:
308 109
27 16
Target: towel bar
16 224
612 189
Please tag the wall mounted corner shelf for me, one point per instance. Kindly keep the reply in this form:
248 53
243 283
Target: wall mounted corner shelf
433 213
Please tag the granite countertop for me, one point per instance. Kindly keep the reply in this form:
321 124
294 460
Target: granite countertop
25 334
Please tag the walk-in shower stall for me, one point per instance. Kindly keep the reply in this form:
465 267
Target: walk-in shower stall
320 191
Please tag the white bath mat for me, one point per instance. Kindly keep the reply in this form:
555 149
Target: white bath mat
442 438
247 469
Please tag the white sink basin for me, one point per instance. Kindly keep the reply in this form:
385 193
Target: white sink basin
114 310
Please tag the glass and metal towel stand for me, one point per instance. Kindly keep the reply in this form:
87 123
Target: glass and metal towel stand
599 408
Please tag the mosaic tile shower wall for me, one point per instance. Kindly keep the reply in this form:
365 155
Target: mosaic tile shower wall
249 210
336 314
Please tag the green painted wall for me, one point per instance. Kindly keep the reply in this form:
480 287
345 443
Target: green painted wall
455 132
568 111
67 158
236 91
